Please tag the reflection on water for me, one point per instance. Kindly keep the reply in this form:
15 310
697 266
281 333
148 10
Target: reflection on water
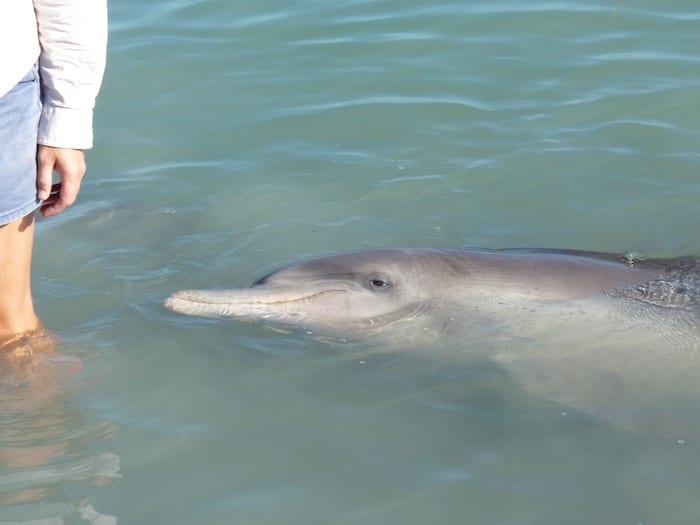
47 471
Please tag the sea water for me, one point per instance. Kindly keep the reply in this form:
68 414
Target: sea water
233 137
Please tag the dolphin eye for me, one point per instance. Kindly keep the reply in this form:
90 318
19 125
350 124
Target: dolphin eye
378 283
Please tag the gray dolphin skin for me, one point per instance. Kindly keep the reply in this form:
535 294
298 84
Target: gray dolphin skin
603 333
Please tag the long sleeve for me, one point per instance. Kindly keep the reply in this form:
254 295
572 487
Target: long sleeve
73 40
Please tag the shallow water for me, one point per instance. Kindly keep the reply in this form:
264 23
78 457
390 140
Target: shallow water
234 137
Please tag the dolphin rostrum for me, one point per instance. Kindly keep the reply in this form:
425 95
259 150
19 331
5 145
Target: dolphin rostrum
602 333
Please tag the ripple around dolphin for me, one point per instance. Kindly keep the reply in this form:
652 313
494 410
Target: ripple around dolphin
389 100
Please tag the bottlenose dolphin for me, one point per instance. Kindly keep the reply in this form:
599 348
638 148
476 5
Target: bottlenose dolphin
607 334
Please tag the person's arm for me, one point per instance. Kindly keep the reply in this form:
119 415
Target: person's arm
73 38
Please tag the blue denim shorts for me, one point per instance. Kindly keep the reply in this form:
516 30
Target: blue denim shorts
20 109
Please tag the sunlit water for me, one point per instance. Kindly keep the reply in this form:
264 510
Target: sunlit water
233 137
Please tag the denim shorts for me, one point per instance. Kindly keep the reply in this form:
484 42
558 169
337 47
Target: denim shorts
20 109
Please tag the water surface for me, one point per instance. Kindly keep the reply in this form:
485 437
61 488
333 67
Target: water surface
233 137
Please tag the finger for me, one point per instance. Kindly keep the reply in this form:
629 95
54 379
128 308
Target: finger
44 175
53 196
52 207
55 204
69 189
63 196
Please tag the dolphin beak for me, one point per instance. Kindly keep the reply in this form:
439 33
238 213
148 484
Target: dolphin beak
220 303
210 303
255 302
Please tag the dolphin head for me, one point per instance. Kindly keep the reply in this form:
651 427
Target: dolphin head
338 294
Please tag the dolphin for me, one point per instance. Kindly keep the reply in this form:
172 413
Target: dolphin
607 334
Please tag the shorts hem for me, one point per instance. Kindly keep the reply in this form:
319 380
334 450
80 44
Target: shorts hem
7 218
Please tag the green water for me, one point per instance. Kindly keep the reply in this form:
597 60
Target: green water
233 137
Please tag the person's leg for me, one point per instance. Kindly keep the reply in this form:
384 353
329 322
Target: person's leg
19 122
17 315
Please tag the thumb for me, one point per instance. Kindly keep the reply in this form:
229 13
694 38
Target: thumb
44 174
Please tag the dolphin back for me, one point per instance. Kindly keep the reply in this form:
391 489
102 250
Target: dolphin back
676 283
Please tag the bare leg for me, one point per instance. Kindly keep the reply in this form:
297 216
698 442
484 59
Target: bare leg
17 317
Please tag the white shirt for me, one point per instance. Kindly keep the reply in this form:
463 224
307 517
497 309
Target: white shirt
69 38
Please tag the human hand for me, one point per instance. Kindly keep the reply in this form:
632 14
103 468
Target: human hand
70 166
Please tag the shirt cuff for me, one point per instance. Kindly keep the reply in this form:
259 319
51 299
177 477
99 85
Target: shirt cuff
65 128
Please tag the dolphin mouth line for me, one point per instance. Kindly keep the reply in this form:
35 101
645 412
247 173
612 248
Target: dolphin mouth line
297 299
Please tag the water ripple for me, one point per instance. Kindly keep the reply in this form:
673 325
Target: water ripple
460 103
